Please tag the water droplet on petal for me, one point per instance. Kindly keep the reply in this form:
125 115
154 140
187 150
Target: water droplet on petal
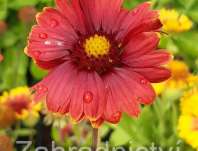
116 116
41 88
88 97
134 12
143 81
139 99
43 35
59 43
53 23
47 42
110 60
36 54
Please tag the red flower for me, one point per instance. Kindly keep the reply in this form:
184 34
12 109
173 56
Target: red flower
101 58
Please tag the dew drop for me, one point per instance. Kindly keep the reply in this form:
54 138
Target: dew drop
139 99
110 60
59 43
88 97
53 23
41 88
47 42
134 12
143 81
43 35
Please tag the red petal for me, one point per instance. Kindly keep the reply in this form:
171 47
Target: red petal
97 123
49 64
141 44
72 12
109 12
155 58
136 20
59 84
154 74
95 103
76 107
121 84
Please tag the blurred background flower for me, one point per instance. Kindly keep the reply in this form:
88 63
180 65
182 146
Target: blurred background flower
173 21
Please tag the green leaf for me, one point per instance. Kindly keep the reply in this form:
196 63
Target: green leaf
17 4
186 42
13 69
119 137
3 9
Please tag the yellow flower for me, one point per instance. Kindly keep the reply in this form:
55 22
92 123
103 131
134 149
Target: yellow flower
174 22
193 81
188 121
188 130
179 74
159 87
20 101
180 77
189 102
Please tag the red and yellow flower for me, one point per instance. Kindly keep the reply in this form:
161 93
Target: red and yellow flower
19 100
101 57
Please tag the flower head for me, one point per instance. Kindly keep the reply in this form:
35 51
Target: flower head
188 122
19 100
174 22
102 58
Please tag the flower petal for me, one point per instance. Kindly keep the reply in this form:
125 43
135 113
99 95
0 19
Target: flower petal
140 44
133 90
73 13
58 88
141 19
94 107
52 38
155 58
154 74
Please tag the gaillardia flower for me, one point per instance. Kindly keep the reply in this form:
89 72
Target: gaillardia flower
174 22
101 58
20 101
188 121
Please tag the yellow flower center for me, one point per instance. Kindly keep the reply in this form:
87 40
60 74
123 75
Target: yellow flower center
97 46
